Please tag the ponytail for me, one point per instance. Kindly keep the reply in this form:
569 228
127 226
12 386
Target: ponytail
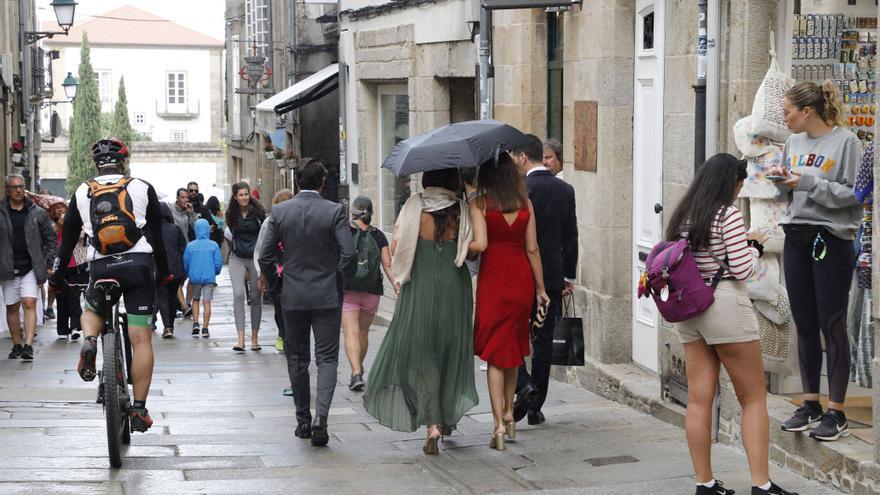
824 100
832 113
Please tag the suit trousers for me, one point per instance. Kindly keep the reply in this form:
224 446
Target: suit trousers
298 325
542 351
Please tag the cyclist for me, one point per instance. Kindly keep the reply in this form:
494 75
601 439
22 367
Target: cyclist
121 217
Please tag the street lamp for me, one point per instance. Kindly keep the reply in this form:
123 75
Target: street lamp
70 84
64 12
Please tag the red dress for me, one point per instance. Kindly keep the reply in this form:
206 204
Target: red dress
505 292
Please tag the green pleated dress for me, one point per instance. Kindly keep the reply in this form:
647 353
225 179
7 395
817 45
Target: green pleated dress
424 370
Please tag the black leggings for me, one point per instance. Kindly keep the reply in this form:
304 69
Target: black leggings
819 294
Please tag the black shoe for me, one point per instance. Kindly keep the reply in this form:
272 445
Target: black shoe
833 426
536 418
357 383
774 490
320 437
205 333
804 418
196 330
86 366
525 395
49 313
303 430
188 312
717 489
16 352
140 420
27 352
75 334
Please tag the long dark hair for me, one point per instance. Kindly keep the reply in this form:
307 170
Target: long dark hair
711 190
449 179
502 183
233 211
213 205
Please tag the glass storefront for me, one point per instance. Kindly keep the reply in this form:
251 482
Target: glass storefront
393 128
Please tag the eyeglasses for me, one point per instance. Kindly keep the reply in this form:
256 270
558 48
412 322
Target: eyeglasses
20 186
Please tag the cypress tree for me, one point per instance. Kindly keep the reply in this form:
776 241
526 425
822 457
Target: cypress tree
85 126
121 126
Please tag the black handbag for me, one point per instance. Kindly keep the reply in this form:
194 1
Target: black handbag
568 337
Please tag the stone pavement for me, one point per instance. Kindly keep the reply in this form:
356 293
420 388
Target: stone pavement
222 426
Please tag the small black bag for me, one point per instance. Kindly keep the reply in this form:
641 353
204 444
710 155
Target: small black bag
568 337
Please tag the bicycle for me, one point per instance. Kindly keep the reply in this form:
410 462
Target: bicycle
114 377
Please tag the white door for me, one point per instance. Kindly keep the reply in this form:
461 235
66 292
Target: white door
647 169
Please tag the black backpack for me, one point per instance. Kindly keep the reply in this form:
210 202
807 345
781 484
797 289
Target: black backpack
368 277
114 227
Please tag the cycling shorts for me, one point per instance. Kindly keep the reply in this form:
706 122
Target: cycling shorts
135 274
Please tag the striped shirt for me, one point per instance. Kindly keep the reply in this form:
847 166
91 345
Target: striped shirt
727 239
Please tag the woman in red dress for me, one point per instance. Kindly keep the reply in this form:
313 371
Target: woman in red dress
510 282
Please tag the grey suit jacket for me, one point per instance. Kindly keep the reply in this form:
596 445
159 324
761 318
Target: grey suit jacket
319 255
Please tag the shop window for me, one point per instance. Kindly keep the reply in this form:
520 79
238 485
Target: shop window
257 25
555 49
393 128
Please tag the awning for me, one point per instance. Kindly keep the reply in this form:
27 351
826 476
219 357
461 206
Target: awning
302 93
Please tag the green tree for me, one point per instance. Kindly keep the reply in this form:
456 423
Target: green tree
121 127
85 126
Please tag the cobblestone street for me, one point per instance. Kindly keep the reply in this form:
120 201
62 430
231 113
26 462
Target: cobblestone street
223 426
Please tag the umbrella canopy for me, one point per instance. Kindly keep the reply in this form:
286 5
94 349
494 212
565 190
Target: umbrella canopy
44 201
464 144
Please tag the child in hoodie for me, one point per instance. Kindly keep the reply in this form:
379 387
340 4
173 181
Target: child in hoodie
203 262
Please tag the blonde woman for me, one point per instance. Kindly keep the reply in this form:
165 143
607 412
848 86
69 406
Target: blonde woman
821 159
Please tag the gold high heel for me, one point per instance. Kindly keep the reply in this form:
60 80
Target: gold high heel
431 447
497 441
510 428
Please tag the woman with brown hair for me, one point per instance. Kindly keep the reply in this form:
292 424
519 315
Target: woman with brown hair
424 373
244 215
820 162
510 282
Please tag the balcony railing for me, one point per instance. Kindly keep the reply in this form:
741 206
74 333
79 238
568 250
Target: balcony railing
177 111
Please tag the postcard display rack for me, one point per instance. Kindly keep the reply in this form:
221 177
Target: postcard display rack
842 48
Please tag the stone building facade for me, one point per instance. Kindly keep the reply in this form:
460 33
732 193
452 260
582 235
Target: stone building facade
637 60
407 70
298 39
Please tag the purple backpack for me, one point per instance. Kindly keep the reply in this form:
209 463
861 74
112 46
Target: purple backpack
676 284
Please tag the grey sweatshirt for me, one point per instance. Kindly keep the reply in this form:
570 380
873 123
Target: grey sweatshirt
824 196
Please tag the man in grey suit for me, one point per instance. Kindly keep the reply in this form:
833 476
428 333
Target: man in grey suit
319 263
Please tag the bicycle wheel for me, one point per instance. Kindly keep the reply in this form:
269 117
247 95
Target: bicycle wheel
125 402
110 375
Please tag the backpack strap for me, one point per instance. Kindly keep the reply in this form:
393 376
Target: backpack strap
723 266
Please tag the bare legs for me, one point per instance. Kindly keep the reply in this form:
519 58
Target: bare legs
746 369
356 330
13 320
142 351
502 387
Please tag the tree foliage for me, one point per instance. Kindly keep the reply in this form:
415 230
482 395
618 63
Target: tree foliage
121 126
85 126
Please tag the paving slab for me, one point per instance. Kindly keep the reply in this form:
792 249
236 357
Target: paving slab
222 425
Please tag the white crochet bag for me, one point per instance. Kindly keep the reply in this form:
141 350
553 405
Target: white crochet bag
767 118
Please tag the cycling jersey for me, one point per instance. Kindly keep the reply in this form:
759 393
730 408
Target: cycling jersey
148 217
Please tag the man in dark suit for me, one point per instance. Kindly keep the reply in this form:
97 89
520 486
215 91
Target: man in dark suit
319 262
556 222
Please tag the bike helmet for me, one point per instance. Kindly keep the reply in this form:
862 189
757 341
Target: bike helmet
109 151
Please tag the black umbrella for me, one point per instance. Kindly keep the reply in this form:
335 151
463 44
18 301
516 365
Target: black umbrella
464 144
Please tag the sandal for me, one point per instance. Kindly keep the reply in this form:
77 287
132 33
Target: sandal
238 348
256 347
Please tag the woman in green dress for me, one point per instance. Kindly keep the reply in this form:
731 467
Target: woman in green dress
424 371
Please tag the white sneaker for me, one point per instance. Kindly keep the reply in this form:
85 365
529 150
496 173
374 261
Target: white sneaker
75 335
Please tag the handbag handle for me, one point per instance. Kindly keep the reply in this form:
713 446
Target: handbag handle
568 304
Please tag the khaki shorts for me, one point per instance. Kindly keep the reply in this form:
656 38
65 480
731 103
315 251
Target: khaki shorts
729 320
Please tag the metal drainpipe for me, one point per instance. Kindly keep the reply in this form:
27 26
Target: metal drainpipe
700 87
292 77
485 68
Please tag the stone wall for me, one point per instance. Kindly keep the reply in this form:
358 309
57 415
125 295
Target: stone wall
391 56
598 65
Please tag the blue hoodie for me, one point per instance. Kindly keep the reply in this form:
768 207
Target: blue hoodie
202 259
